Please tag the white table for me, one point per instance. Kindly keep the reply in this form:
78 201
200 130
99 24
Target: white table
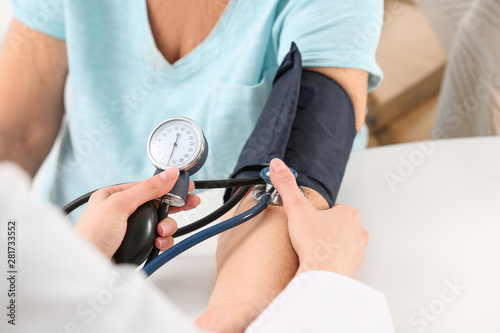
433 213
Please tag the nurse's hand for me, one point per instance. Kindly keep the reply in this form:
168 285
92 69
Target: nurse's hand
331 240
104 220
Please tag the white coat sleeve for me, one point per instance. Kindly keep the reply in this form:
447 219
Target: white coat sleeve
62 283
321 301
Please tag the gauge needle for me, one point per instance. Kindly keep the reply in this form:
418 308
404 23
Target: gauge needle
175 145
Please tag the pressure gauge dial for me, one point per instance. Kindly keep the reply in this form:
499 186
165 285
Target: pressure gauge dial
177 143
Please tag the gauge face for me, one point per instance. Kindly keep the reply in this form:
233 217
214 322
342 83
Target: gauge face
176 143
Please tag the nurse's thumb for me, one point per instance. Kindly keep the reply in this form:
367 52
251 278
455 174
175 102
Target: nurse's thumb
284 182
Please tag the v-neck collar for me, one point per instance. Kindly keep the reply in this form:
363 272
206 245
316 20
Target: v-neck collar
215 36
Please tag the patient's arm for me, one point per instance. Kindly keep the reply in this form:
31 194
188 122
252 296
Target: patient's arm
256 260
33 70
255 263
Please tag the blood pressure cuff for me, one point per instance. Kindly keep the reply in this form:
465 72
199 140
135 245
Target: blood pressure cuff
309 123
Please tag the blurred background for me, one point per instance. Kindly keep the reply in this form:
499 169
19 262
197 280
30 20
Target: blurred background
413 59
417 37
5 17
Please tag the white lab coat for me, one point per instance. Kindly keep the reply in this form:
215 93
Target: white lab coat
63 284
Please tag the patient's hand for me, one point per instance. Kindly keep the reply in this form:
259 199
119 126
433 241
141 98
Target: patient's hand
104 220
331 240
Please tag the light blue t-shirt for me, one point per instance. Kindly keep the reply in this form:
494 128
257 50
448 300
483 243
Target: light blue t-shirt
120 86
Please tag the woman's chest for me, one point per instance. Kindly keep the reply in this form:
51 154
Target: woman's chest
180 26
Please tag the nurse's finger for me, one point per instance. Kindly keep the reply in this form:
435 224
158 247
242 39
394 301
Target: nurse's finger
106 192
167 227
192 202
147 190
284 182
164 243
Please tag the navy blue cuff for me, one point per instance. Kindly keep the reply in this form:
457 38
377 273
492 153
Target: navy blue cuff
309 123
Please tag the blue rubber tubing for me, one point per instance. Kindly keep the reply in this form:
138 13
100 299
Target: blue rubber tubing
201 236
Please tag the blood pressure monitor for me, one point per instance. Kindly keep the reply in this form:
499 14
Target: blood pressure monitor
177 143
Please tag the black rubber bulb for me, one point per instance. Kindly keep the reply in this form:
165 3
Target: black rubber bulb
140 236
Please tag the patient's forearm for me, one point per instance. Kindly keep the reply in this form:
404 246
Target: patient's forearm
255 263
256 260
